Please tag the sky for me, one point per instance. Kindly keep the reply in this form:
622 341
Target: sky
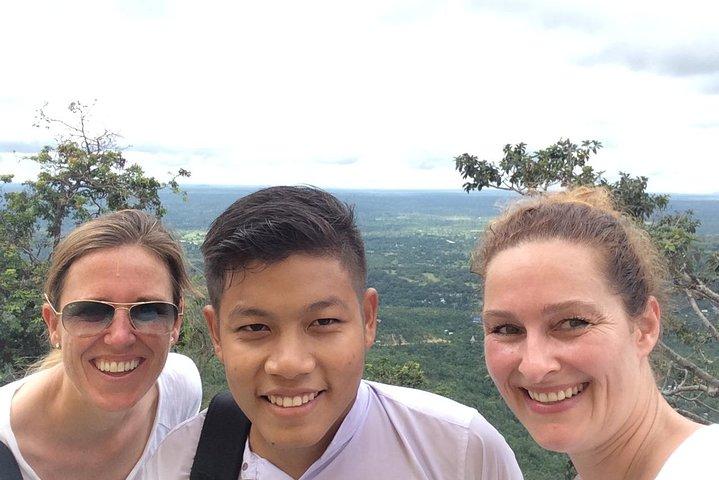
378 94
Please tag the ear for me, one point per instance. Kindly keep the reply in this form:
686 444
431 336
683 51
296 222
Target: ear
648 327
52 320
370 306
213 325
175 335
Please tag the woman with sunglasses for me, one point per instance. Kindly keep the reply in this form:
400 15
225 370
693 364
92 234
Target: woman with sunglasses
109 392
572 295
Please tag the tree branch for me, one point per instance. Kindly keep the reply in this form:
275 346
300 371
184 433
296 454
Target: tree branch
712 382
693 416
695 306
699 286
685 388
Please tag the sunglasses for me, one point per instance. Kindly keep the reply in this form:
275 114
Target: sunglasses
85 318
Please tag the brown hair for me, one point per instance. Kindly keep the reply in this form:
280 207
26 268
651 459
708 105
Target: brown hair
116 229
586 215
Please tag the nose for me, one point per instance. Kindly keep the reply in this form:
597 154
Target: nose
120 333
539 358
290 358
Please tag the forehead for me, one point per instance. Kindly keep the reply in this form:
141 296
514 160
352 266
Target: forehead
109 271
295 282
551 270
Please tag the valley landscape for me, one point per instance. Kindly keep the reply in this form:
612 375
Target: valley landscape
430 335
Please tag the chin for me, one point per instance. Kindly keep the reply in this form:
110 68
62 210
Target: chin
555 439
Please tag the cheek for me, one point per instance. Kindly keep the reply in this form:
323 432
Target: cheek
500 359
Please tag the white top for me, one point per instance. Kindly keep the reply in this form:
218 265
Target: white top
390 433
180 395
695 457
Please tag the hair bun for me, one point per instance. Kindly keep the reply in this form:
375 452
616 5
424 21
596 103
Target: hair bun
595 197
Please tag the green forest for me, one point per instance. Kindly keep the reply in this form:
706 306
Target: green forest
418 245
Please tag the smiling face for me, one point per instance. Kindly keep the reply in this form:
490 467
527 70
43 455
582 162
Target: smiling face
564 355
123 275
292 336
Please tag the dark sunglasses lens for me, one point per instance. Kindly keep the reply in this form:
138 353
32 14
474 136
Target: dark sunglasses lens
154 317
86 317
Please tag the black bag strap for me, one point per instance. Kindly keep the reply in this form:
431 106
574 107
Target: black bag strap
222 441
8 465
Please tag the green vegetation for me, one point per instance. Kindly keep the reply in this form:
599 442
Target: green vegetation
83 175
418 246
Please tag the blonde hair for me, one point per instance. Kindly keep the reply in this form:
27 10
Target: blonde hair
589 216
116 229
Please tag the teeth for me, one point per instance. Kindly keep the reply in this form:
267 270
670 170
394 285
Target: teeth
555 396
295 401
116 367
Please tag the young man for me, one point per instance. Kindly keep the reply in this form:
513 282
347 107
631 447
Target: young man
291 319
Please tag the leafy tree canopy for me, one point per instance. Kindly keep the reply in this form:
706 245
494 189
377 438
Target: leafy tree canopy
408 374
82 175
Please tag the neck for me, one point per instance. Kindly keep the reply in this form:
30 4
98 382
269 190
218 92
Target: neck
83 421
641 446
293 461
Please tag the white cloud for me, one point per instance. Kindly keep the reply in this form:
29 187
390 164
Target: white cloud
378 94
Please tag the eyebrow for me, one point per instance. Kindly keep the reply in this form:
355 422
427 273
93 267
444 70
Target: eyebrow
332 301
569 304
137 300
498 315
240 311
546 310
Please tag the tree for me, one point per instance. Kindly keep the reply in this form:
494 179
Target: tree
563 163
408 374
82 175
691 341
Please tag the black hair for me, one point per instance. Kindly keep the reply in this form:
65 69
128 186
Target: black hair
271 224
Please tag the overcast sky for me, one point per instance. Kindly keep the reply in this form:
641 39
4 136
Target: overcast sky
372 93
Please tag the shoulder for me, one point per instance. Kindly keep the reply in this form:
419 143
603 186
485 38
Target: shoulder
9 389
7 436
695 457
459 434
180 365
7 392
180 391
185 435
703 443
180 375
174 457
423 404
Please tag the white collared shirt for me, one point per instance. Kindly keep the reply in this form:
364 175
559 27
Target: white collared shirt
390 433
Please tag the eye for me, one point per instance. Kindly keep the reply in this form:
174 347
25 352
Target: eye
254 327
506 329
325 322
574 323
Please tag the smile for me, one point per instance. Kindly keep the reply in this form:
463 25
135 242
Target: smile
557 396
289 402
116 367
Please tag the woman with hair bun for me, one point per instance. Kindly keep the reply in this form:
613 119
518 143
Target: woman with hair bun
572 309
110 390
